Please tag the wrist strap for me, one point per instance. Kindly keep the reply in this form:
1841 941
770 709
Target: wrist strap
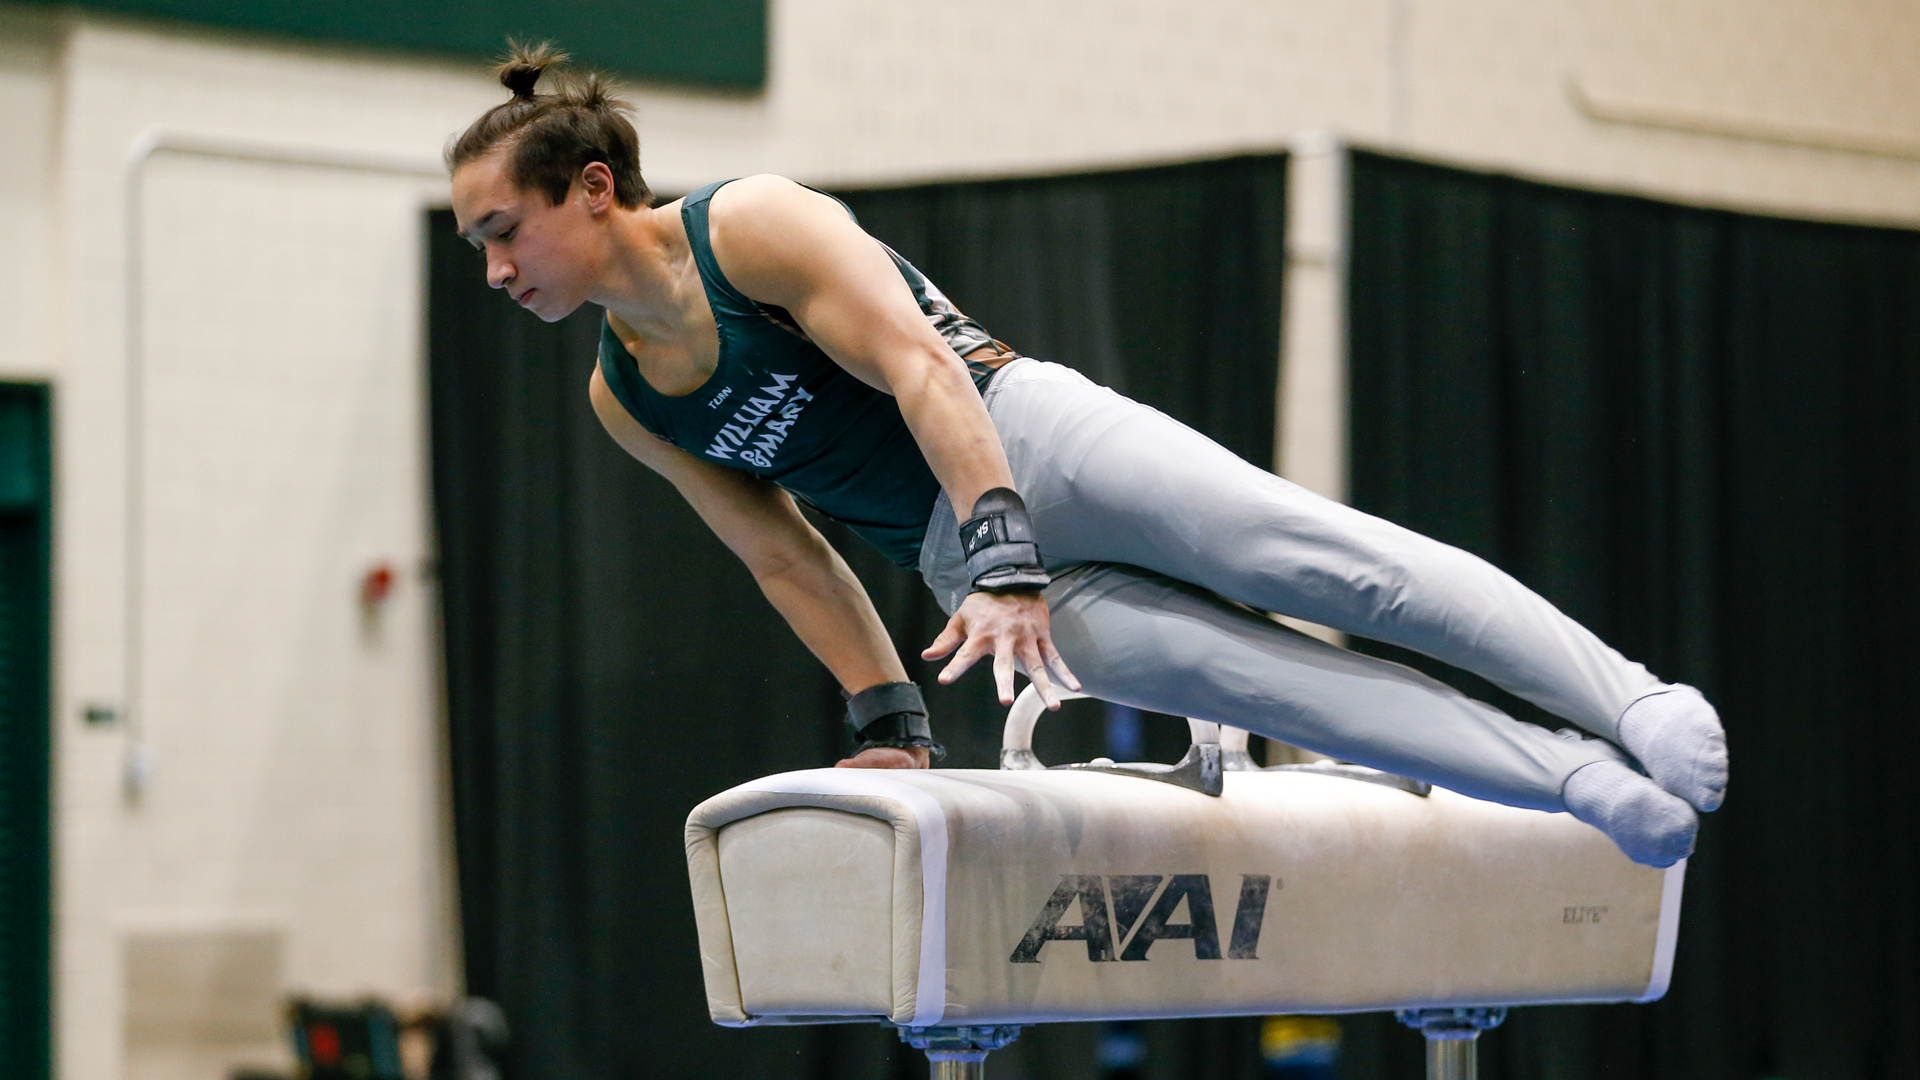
890 714
1002 553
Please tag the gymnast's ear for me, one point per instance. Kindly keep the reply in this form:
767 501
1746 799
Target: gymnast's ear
596 185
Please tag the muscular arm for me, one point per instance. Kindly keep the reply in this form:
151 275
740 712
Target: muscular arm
801 574
785 245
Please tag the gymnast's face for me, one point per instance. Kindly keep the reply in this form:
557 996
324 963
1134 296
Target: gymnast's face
546 255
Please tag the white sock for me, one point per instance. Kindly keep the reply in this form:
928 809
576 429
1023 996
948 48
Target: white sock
1676 736
1651 826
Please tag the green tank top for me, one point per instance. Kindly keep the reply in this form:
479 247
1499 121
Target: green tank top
779 407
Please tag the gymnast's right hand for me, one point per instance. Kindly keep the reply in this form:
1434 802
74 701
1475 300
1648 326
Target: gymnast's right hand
1014 627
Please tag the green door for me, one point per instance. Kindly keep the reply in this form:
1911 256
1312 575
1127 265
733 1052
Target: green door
25 747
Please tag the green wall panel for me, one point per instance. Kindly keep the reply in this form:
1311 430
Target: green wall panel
25 628
717 42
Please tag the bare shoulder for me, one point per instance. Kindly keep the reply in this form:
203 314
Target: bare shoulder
766 196
752 516
700 481
772 236
650 449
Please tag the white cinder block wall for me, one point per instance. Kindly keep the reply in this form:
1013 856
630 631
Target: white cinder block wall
295 786
295 811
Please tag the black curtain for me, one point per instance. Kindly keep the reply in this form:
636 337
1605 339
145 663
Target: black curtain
1697 432
609 664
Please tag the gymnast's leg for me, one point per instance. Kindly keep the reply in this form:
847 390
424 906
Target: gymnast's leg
1146 640
1111 480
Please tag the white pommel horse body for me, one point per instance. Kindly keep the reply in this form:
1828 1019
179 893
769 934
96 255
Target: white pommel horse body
961 904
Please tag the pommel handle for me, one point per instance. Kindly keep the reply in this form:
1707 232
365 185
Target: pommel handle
1199 770
1017 738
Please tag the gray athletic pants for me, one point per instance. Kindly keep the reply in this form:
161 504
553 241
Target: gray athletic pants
1160 541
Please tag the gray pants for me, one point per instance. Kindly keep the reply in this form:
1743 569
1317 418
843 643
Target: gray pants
1161 540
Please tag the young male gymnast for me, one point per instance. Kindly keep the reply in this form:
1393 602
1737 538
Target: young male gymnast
760 347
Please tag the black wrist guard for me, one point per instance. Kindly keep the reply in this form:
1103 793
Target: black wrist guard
891 714
998 540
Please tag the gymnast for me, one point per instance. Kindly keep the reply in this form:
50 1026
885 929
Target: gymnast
760 348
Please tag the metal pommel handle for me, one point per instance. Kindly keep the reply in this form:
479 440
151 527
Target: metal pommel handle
1016 741
1200 770
1234 755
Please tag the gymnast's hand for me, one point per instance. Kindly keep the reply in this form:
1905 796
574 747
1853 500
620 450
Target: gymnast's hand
889 757
1014 627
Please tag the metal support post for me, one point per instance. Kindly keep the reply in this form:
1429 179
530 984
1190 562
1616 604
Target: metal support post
1453 1038
958 1053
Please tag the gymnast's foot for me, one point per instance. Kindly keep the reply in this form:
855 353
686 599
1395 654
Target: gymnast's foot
1676 735
1651 826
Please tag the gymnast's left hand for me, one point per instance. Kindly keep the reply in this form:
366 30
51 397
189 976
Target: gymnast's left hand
1014 627
889 757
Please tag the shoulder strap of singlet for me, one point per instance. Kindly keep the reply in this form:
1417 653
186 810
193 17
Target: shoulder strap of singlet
693 213
725 299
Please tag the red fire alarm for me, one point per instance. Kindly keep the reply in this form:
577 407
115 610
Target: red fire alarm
376 586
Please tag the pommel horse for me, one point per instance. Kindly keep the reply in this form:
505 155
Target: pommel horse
959 905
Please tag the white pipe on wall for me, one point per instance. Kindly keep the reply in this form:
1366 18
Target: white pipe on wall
1311 431
1310 417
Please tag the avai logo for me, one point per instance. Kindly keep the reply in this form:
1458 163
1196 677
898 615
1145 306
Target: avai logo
1144 911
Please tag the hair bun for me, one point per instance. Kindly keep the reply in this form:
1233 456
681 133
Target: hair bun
521 69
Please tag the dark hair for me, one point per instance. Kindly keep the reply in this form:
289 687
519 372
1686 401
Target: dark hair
551 137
